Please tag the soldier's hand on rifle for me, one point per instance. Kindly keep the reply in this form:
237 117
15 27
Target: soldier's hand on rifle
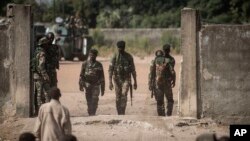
135 85
111 86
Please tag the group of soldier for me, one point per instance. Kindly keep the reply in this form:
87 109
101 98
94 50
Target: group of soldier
44 63
121 71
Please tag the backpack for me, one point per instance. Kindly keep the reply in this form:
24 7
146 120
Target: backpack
160 70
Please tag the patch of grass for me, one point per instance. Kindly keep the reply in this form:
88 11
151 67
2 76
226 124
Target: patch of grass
136 45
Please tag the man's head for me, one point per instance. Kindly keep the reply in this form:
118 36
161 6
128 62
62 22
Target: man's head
166 48
92 54
121 46
50 37
55 93
43 42
27 137
206 137
159 53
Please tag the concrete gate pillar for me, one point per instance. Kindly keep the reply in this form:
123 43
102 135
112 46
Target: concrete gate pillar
190 24
19 49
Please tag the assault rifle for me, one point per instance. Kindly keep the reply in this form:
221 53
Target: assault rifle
152 89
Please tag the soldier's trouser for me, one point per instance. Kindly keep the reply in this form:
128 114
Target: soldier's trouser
92 97
160 92
41 95
53 78
121 91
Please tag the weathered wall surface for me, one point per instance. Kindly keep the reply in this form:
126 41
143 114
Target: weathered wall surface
15 43
189 44
5 98
225 73
20 39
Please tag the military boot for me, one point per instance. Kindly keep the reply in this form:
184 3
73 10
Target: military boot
170 108
161 111
122 111
169 113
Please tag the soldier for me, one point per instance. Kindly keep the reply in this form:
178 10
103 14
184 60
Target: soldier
120 69
172 79
53 59
92 79
166 50
160 71
40 74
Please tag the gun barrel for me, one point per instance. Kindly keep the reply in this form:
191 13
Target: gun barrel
131 94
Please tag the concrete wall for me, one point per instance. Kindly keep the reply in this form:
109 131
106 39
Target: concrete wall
15 43
225 72
189 44
215 73
5 97
20 36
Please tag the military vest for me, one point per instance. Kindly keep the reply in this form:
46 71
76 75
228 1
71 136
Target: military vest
92 72
122 66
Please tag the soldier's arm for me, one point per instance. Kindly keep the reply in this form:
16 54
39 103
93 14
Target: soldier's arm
133 72
41 66
81 80
111 71
172 62
173 71
111 68
173 75
151 75
102 80
57 56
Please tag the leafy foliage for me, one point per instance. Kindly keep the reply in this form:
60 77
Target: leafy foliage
137 13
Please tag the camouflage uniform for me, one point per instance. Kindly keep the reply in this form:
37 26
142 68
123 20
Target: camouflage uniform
52 59
164 87
40 75
92 79
121 68
53 63
172 79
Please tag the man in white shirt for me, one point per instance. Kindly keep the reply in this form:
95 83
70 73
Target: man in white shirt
53 119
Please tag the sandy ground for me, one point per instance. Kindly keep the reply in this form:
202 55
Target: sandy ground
140 123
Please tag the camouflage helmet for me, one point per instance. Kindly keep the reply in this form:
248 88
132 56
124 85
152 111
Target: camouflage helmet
93 51
120 44
159 53
43 41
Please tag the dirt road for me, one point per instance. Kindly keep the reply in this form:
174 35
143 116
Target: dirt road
140 123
